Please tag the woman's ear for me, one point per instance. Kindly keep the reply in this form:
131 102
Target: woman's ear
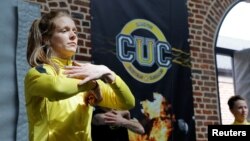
46 41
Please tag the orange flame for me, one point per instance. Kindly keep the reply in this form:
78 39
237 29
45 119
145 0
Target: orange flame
156 113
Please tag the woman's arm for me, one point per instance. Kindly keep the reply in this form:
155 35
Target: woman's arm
44 82
115 92
134 126
115 118
118 97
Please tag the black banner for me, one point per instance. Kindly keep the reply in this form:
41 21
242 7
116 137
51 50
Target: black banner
145 42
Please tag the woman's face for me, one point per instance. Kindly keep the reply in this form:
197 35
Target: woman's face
64 38
240 110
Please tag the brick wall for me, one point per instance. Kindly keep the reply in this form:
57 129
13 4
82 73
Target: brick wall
204 19
80 11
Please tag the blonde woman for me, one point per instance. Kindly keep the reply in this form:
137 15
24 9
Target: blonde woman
60 92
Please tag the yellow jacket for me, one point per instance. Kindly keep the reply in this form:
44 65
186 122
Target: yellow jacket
55 104
240 123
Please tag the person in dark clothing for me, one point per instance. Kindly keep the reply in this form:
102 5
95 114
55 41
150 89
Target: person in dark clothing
113 125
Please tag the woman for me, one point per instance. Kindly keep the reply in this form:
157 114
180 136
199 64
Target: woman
59 92
239 109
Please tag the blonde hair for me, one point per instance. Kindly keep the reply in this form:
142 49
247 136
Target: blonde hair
41 30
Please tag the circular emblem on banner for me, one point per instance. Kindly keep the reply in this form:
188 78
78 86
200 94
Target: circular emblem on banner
145 51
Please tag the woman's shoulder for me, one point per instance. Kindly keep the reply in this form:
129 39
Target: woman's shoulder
41 69
238 123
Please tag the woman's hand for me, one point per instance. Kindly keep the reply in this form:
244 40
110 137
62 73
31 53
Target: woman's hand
94 96
114 118
125 114
87 72
92 99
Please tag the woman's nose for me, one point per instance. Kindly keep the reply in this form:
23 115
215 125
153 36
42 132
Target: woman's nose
245 110
73 35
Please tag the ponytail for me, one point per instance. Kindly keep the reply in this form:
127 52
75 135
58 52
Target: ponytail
36 49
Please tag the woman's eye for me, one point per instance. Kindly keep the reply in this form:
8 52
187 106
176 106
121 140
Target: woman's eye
63 30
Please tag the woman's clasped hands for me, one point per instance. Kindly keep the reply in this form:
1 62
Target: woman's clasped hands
90 73
87 72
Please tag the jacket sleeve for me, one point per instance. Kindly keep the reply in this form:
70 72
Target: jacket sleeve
116 95
43 81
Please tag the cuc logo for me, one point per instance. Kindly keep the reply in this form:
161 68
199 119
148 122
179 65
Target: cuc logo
138 51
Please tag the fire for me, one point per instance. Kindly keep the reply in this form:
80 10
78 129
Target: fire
157 114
